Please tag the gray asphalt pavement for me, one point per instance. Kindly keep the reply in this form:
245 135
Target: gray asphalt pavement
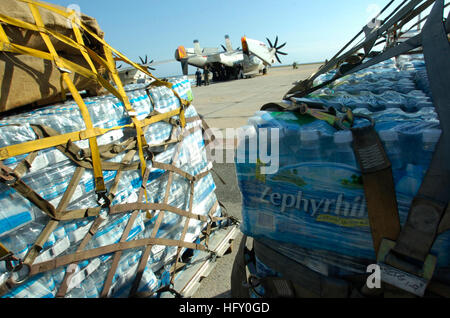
218 283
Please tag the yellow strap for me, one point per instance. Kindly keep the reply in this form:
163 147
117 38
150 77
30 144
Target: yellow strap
70 42
3 251
96 162
44 35
53 141
120 55
48 142
5 45
3 36
10 151
95 153
69 15
139 133
15 48
78 45
80 40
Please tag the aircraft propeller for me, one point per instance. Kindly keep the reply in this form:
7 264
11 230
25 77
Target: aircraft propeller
277 48
146 63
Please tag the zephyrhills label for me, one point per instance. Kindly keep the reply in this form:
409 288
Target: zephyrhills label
338 210
327 192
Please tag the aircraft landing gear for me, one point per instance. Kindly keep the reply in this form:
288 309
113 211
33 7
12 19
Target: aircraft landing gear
239 74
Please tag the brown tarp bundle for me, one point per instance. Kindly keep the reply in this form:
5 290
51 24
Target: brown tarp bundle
28 80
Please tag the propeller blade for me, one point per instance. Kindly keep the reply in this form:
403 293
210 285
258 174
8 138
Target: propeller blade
151 68
276 41
282 53
146 58
150 62
142 61
270 43
223 47
277 58
119 66
281 45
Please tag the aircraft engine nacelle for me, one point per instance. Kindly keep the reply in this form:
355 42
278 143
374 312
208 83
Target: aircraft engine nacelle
181 56
245 46
268 55
180 53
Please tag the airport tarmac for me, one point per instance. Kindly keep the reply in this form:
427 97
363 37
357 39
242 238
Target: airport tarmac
229 105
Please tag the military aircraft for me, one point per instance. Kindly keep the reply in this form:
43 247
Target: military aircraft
131 75
254 56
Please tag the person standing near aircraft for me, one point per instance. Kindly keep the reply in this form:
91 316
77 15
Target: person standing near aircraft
198 76
206 75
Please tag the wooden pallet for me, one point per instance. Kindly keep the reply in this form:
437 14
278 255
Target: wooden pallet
189 278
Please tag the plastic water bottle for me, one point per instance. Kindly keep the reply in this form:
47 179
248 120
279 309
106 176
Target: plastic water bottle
59 233
262 119
96 111
19 242
410 141
393 99
309 146
90 287
14 213
430 138
343 151
246 153
392 147
70 228
410 183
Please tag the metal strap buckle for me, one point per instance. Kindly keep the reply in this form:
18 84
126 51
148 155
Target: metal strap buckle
64 70
9 258
350 117
102 199
404 275
7 177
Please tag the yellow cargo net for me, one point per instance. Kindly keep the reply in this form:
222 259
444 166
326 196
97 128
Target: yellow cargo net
66 66
48 138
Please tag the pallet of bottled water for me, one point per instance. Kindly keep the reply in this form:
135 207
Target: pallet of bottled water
21 222
302 187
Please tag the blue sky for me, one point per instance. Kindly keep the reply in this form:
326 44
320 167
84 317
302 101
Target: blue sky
313 30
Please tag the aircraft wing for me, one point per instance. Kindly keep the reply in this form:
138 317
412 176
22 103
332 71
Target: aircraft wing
163 62
210 51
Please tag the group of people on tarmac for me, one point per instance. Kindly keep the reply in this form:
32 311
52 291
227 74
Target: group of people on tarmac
198 76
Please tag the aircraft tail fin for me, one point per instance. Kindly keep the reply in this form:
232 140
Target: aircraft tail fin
228 45
197 48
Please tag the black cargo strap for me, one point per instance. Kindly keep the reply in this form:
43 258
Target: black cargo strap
304 88
429 212
239 272
379 188
316 284
431 202
247 283
375 168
